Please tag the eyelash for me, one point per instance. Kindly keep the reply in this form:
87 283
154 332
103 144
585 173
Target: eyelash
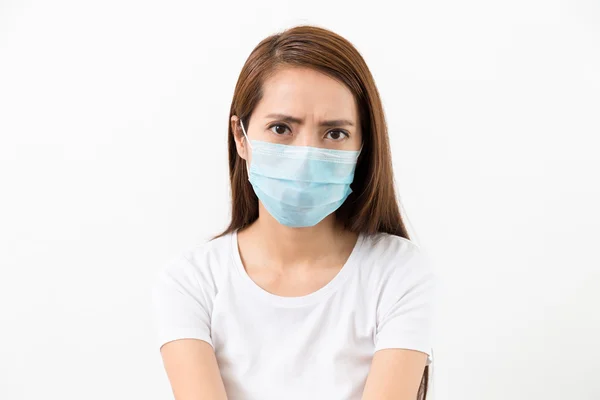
344 133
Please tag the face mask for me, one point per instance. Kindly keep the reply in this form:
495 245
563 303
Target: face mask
300 185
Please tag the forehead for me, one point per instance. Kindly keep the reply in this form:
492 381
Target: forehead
305 92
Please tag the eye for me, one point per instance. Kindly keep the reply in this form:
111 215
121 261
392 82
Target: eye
279 129
337 135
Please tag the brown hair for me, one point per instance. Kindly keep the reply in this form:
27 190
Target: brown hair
372 207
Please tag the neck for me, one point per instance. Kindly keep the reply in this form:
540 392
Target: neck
287 245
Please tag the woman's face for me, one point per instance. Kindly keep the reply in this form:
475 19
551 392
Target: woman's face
303 107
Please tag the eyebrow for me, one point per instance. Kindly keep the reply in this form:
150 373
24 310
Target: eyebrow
294 120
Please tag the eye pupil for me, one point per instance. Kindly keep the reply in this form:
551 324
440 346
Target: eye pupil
280 129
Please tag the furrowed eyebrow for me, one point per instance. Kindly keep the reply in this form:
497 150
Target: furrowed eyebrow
294 120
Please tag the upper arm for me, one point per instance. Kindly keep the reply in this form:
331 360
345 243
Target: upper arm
182 298
395 374
192 370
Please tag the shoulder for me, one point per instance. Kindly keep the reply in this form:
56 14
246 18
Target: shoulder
204 264
392 266
185 289
387 253
386 242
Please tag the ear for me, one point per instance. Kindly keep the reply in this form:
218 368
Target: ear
238 135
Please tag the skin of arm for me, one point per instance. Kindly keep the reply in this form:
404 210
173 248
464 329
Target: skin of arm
395 374
192 369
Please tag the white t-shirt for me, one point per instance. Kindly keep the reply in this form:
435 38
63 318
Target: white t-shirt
317 346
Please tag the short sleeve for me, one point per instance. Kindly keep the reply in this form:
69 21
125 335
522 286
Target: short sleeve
181 303
406 310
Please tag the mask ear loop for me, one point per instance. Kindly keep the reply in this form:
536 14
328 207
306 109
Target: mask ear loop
245 135
248 142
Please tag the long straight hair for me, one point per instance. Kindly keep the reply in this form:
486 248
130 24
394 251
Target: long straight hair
372 207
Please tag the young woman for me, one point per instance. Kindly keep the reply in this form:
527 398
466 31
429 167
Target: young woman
315 290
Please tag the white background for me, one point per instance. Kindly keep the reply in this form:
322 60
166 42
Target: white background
113 122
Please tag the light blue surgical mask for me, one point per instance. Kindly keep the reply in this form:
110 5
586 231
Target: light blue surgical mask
300 185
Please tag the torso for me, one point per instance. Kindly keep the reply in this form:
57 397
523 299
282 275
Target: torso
297 337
